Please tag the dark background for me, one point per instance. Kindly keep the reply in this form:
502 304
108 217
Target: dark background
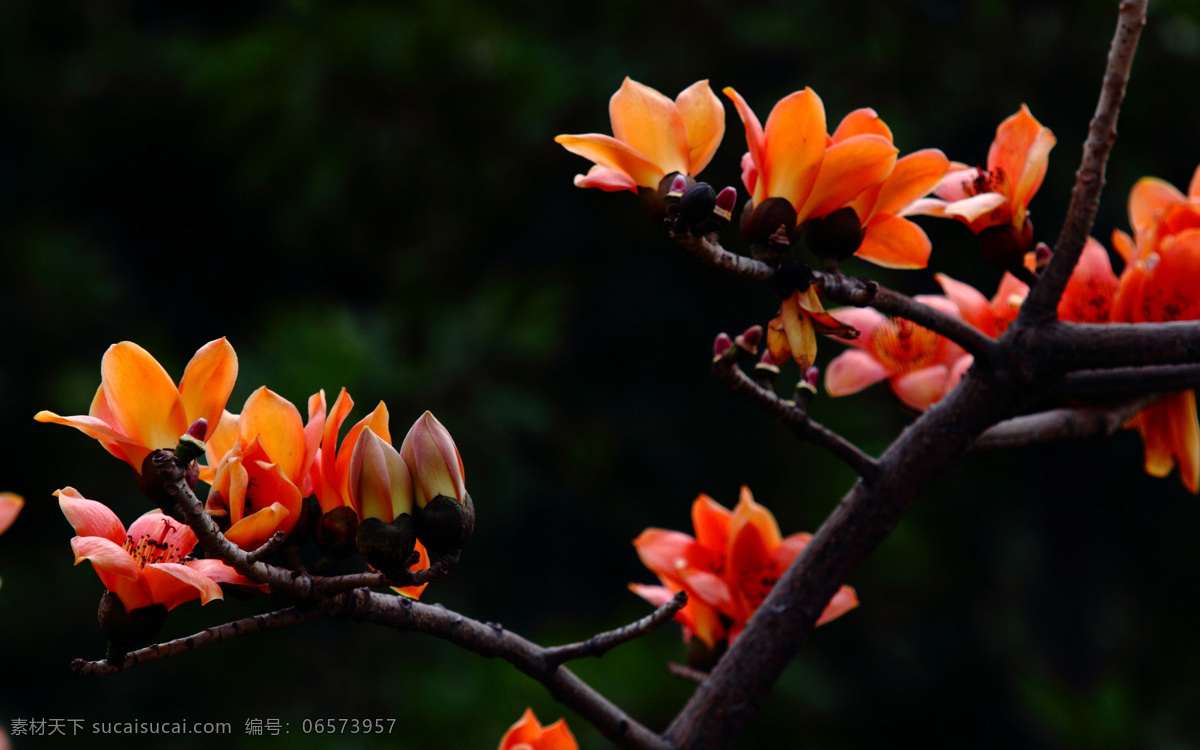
368 195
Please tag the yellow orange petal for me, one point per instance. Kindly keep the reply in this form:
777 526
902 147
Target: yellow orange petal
1194 185
117 443
913 177
1016 138
795 148
100 410
1147 200
608 180
222 438
894 242
207 383
703 121
142 396
849 167
118 571
256 528
172 584
863 121
801 336
651 125
1123 244
414 592
613 154
756 144
276 423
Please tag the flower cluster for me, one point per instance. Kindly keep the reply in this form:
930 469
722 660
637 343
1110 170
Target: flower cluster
261 464
727 569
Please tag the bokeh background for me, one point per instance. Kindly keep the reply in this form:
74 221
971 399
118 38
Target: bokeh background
367 194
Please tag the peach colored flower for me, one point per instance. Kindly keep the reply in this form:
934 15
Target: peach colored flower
434 461
1160 284
258 466
727 569
920 366
138 409
529 734
1000 194
654 137
147 565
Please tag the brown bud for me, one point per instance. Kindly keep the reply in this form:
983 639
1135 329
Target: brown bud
445 524
387 546
337 531
836 236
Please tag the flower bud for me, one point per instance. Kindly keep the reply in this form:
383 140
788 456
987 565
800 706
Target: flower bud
445 524
380 485
679 185
433 461
721 344
836 236
697 204
387 546
726 200
749 339
761 223
1042 255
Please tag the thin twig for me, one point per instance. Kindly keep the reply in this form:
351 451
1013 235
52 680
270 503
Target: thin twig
684 672
601 643
268 546
1042 303
795 418
277 619
709 251
850 290
1079 423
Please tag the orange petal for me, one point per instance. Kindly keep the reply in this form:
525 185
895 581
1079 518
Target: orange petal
651 125
710 519
914 176
801 336
755 165
851 371
222 438
753 537
414 592
704 122
1123 244
849 167
893 242
610 153
10 506
172 584
269 486
922 388
664 552
795 148
142 396
608 180
1088 296
842 602
118 571
131 451
207 383
100 410
1194 185
525 732
88 517
1147 200
276 423
970 209
863 121
1021 150
331 493
250 532
975 308
556 736
377 420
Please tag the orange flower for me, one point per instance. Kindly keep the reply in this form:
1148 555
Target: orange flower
258 466
654 137
148 564
727 570
529 734
793 158
920 366
10 506
1000 194
991 317
138 409
1159 284
793 333
434 461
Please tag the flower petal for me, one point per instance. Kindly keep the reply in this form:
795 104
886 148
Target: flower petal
754 163
251 531
207 383
608 180
88 517
865 320
795 148
703 121
850 167
10 506
613 154
974 307
914 177
1088 296
276 423
851 371
974 207
172 584
894 242
121 446
650 124
842 602
922 388
1021 150
1147 200
863 121
710 519
664 551
142 396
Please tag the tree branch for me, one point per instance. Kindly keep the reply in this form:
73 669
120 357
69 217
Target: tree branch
1042 304
1063 424
602 643
1124 381
795 418
1063 347
266 621
711 253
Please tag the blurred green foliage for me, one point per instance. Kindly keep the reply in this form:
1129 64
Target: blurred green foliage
367 195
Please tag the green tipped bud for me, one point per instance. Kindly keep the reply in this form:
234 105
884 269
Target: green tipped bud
387 546
336 532
445 524
380 484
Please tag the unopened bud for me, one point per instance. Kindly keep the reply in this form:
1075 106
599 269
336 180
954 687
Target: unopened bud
433 461
811 377
749 339
445 524
806 391
337 531
679 185
1041 255
697 204
767 364
379 482
387 546
189 448
721 344
726 200
761 223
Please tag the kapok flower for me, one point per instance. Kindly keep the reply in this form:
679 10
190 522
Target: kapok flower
529 734
999 195
792 158
920 366
147 565
434 461
10 506
138 409
727 569
793 333
380 485
654 137
1159 284
262 458
331 470
990 317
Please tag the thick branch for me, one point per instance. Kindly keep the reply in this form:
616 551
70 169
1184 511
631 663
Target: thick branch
1063 424
602 643
1042 304
266 621
1064 347
1124 381
849 290
796 419
710 252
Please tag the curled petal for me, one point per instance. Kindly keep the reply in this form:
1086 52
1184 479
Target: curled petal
955 183
142 396
608 180
754 163
1147 200
914 177
842 602
894 242
853 370
172 584
207 382
10 506
651 125
251 531
974 207
613 154
90 518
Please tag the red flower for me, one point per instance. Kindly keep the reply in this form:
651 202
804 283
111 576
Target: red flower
727 569
529 734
